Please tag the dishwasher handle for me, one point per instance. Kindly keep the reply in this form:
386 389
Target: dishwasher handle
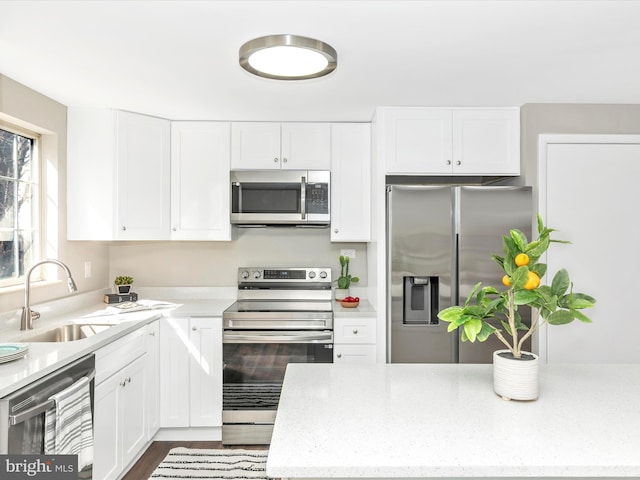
39 408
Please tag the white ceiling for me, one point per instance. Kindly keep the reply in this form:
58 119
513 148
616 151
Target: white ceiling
179 59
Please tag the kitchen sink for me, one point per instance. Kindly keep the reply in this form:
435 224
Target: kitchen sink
67 333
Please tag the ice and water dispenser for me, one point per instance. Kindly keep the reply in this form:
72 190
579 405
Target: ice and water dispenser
420 300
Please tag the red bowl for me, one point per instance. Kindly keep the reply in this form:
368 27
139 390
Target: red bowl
349 304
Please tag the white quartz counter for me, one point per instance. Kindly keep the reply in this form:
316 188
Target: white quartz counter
46 357
445 421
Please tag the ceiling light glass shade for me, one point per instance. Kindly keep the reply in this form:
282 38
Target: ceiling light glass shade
288 57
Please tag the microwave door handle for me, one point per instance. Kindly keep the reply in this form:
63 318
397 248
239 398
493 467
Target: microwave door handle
303 198
239 185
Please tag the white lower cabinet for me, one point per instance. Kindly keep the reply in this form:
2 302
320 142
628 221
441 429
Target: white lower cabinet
120 429
354 339
191 366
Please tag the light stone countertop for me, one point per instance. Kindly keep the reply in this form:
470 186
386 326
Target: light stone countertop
46 357
364 309
445 421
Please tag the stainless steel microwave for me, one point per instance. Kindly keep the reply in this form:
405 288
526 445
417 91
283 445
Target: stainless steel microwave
280 197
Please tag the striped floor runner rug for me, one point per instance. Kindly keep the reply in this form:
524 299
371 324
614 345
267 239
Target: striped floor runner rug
224 464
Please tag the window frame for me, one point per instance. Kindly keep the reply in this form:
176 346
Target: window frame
37 206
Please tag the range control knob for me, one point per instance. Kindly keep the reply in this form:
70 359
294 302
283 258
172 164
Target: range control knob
256 274
244 274
323 274
312 274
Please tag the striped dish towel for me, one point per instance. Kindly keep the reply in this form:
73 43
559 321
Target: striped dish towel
68 425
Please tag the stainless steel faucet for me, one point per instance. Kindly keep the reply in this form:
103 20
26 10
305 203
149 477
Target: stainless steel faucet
28 316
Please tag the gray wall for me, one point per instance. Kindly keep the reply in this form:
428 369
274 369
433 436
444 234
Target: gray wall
540 118
29 109
215 264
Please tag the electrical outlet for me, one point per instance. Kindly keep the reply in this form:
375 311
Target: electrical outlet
87 269
351 252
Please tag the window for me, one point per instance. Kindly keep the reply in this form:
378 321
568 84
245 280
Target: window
19 233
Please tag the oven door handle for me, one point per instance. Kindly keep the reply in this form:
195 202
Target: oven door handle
280 337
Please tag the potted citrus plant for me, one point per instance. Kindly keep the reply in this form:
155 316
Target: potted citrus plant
345 279
554 304
123 284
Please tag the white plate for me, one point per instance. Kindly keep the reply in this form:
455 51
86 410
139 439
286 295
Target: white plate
12 351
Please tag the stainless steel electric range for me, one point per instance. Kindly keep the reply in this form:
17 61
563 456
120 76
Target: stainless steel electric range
282 316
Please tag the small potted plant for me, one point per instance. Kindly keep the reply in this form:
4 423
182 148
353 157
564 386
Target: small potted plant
123 284
555 304
345 279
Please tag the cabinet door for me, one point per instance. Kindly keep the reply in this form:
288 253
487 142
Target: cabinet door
306 146
417 140
255 146
152 394
174 365
107 449
133 409
486 142
200 160
205 372
350 182
143 177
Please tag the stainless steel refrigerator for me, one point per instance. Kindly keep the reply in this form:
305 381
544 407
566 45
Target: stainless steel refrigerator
439 245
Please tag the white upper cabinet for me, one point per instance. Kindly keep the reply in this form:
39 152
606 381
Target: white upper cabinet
448 141
272 146
350 182
118 175
200 159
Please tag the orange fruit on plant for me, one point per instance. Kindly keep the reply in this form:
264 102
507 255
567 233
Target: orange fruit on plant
533 281
506 281
522 259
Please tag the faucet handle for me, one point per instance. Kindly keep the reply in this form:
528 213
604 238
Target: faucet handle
35 315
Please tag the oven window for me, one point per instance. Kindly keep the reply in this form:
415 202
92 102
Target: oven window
270 198
253 372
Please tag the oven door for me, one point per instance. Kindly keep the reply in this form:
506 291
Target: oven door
254 367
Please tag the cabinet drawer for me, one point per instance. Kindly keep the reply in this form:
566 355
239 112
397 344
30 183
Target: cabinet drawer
115 356
354 330
349 354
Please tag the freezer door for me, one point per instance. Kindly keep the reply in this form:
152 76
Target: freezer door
420 248
485 215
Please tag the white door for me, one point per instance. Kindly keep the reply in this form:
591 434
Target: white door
133 409
350 182
200 159
107 449
486 142
205 372
174 368
255 146
306 146
143 177
417 140
588 192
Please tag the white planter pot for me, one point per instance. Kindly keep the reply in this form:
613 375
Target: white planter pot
341 293
515 379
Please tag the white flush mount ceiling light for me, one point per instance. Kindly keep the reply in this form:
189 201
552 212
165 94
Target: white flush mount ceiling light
288 57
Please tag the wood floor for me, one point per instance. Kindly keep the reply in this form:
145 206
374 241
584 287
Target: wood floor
156 452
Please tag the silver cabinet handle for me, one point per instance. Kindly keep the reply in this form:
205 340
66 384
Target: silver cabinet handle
194 328
355 331
128 379
124 228
458 162
284 160
275 160
448 162
339 355
336 231
153 334
123 384
174 229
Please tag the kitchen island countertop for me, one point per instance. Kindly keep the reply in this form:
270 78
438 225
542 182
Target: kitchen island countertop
445 421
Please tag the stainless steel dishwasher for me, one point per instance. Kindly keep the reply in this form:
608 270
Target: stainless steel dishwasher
22 413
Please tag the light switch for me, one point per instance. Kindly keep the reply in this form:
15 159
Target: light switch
87 269
351 252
